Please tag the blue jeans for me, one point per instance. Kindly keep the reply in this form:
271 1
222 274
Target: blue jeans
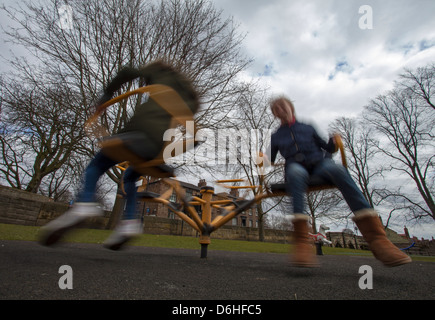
331 173
96 168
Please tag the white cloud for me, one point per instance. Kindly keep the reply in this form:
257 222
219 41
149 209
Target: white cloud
315 52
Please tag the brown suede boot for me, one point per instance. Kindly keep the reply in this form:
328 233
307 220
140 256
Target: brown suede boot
371 228
303 254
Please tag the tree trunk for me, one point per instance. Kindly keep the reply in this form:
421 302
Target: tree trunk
117 212
260 214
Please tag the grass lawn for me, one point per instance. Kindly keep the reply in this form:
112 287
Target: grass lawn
30 233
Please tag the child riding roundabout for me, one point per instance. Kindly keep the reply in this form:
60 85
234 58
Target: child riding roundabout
141 142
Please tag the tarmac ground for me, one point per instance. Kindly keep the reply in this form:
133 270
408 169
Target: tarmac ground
29 271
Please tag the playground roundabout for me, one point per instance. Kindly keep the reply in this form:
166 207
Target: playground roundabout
76 271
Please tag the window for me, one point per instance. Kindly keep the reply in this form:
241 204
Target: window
173 197
189 193
243 221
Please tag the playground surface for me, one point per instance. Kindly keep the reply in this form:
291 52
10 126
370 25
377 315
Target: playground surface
29 271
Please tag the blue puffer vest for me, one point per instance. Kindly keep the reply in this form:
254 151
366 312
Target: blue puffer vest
299 142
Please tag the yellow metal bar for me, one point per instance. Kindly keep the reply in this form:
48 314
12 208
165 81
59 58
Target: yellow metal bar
221 201
198 199
216 220
179 213
188 207
167 194
242 187
122 166
221 220
228 207
207 195
230 180
340 146
194 215
218 206
194 203
187 219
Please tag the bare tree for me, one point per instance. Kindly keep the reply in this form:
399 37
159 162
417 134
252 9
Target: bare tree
279 222
253 117
406 126
106 35
100 38
421 84
39 132
325 204
359 144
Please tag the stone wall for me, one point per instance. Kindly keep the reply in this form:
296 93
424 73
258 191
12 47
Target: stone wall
21 207
159 225
346 240
30 209
24 208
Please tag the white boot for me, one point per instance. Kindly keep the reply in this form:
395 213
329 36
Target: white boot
55 230
124 232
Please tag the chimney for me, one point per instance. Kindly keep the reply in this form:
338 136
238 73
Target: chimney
406 232
234 193
202 183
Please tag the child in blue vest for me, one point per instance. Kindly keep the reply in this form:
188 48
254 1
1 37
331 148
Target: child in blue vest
304 153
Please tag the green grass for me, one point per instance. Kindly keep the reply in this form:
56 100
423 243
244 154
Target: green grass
30 233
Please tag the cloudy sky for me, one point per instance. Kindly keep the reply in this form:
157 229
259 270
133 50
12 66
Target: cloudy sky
331 56
316 52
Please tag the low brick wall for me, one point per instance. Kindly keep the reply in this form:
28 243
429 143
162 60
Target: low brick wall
30 209
158 225
24 208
